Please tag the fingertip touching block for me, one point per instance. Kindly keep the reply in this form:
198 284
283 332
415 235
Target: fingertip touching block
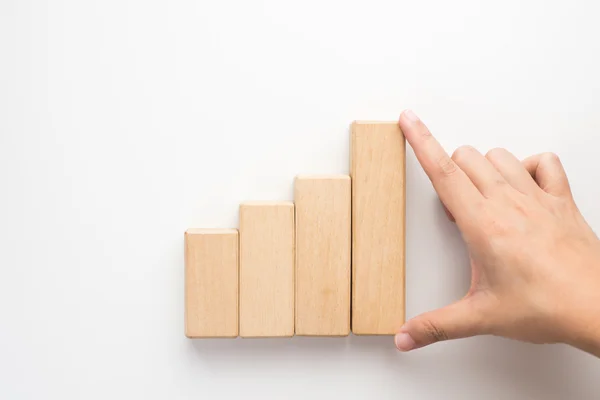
378 228
267 269
211 283
323 240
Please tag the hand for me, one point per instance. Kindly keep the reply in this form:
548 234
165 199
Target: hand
535 262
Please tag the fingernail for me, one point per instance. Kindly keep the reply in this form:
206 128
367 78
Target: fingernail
411 116
404 342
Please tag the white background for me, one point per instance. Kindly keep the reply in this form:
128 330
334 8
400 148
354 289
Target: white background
124 122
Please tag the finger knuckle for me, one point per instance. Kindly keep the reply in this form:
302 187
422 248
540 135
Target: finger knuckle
434 332
424 132
446 166
463 152
495 153
551 157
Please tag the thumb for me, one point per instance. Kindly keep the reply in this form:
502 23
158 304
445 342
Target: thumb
455 321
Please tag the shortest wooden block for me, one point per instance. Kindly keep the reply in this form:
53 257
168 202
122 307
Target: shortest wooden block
211 283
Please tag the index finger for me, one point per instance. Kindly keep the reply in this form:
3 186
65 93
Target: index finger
453 186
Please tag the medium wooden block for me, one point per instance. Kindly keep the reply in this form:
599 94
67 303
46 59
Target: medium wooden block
378 228
211 283
323 255
267 269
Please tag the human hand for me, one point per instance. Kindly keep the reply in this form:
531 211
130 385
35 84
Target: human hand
535 262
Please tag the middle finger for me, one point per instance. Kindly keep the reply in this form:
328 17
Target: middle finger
480 171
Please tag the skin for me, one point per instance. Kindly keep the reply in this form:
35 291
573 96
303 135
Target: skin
535 262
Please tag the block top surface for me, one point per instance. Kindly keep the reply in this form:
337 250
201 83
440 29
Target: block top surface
267 203
211 231
324 177
374 123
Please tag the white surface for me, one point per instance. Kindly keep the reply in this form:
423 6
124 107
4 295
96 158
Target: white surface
122 123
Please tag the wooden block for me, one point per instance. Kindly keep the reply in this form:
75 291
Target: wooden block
211 283
378 228
323 255
267 269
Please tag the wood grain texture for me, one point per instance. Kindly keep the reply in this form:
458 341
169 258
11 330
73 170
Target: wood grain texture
211 283
323 239
267 269
378 228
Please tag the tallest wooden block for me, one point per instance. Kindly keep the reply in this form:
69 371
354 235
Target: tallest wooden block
378 228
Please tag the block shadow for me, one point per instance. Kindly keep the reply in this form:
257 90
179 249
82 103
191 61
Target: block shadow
246 350
552 372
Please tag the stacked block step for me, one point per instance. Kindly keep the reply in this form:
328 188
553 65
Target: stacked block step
378 208
211 283
322 255
267 269
329 263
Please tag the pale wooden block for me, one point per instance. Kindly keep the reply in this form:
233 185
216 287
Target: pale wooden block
378 228
323 255
211 283
267 269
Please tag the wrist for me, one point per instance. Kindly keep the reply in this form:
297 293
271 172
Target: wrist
582 324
